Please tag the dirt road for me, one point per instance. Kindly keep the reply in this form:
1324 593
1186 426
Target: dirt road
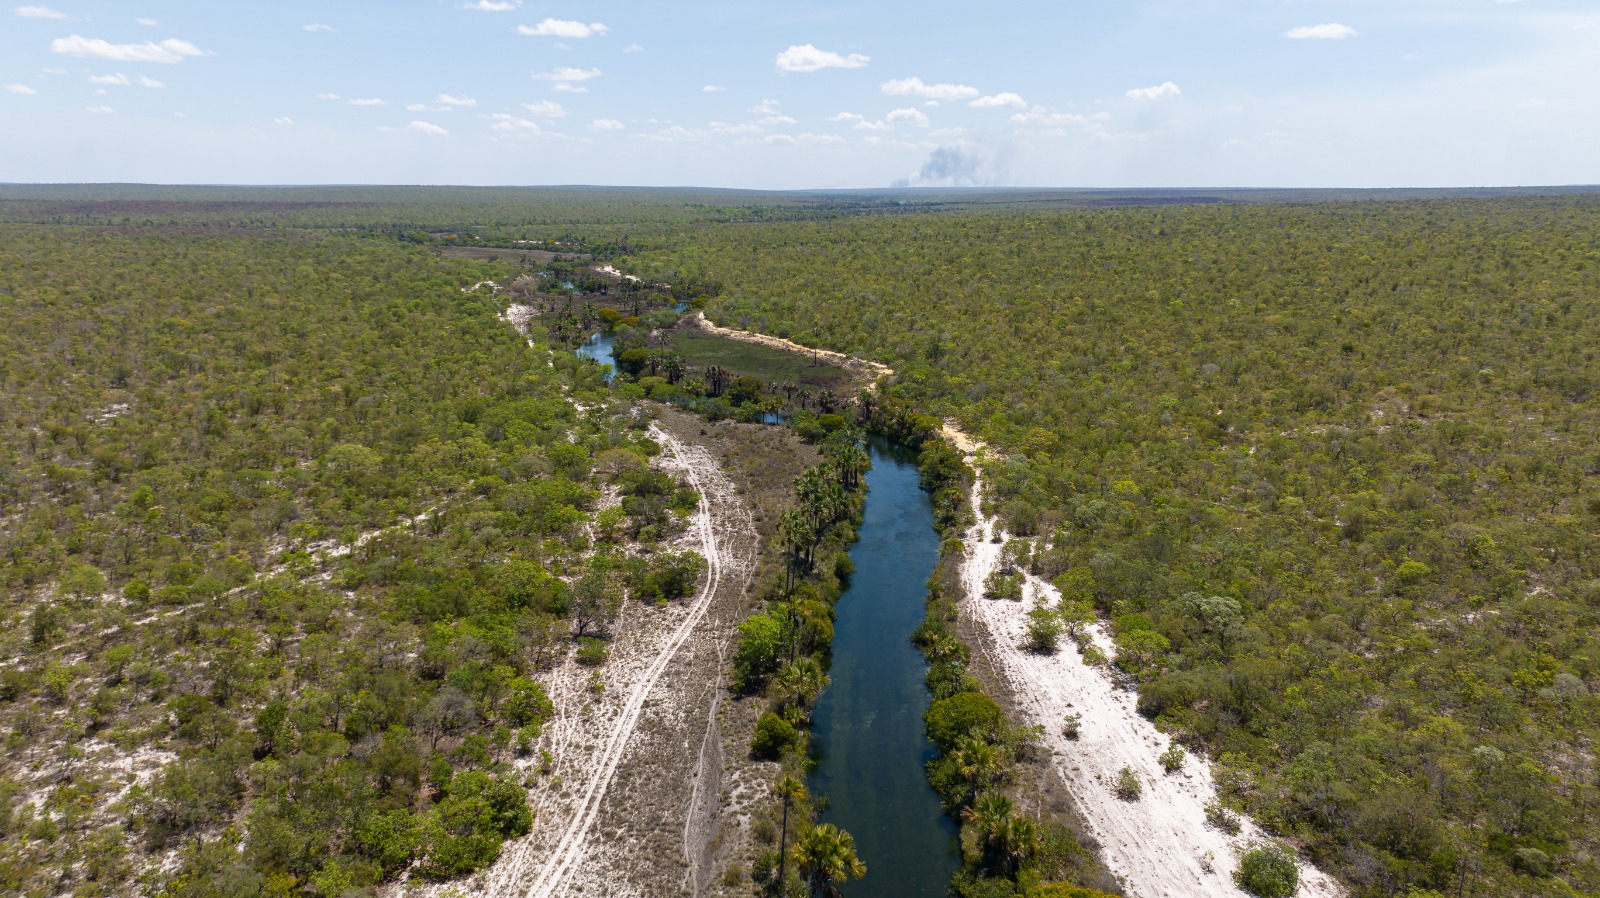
631 803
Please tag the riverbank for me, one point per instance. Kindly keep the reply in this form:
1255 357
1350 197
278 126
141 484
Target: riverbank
1159 845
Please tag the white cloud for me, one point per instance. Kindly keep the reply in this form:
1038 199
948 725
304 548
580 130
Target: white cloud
327 96
848 117
168 51
568 79
1164 89
779 120
563 28
633 48
368 101
283 120
1332 31
40 12
318 26
607 124
807 58
546 109
712 89
416 107
765 107
21 90
808 137
147 81
100 110
448 100
914 87
1038 115
494 5
913 116
511 123
568 74
996 101
148 23
426 128
110 79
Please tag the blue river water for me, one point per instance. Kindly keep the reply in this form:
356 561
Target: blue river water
868 729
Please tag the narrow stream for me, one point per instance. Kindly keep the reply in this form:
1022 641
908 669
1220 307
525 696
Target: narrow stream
598 348
868 730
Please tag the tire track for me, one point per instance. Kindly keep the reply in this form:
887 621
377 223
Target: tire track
698 466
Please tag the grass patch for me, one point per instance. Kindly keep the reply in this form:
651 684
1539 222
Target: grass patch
772 365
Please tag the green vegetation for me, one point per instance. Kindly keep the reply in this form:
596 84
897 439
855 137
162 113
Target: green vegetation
1268 871
1328 469
292 522
776 366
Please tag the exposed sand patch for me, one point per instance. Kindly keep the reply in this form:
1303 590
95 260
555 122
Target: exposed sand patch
1158 846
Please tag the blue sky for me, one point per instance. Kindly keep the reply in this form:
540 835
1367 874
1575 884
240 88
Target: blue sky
804 95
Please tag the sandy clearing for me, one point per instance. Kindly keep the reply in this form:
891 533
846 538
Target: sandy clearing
698 320
518 315
591 836
1158 846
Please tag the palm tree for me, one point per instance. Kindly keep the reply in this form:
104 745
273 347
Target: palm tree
790 790
672 366
1006 838
982 765
827 855
800 682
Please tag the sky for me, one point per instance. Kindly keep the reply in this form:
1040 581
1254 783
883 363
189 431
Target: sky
821 94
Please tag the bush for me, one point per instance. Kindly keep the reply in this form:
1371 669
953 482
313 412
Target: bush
760 640
961 715
773 736
1003 586
1172 758
1268 870
1127 786
1219 816
528 705
1071 724
592 651
1044 631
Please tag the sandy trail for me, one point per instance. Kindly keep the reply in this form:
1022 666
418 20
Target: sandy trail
591 836
1158 846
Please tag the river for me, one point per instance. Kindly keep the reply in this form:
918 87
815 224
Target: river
868 731
598 349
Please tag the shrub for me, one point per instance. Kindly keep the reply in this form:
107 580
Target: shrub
1127 786
1219 816
1044 631
760 639
1071 724
1003 586
1268 870
1172 758
528 705
961 715
592 651
773 736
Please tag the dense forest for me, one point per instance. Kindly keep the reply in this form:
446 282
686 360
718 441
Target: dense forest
1330 470
289 522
